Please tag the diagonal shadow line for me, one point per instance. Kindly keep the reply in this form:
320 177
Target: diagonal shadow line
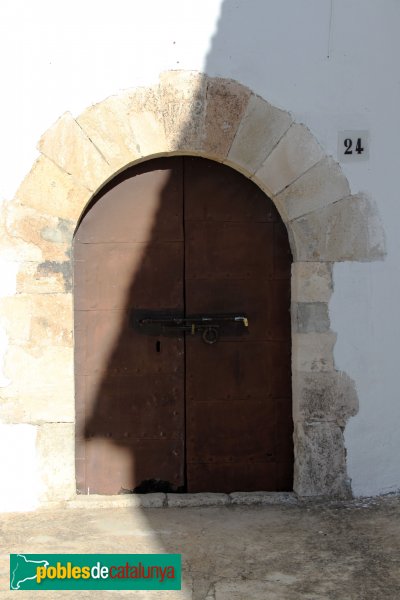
188 523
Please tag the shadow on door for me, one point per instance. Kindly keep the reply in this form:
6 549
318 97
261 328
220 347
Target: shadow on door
199 538
158 408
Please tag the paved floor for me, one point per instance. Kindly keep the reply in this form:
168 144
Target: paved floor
338 551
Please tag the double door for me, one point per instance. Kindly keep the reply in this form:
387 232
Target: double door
182 334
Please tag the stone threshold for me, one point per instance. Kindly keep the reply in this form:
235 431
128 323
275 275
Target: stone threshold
162 500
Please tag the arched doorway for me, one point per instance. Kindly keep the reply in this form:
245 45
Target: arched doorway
78 156
166 246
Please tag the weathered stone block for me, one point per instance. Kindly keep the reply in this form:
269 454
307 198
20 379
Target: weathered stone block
62 268
154 500
146 121
69 147
42 384
52 235
90 501
50 190
313 351
14 249
149 134
44 278
51 320
296 152
349 229
320 466
56 461
260 129
108 126
327 396
322 185
183 102
310 317
15 318
203 499
226 104
311 282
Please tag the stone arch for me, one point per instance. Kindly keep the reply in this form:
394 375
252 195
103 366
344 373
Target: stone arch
184 113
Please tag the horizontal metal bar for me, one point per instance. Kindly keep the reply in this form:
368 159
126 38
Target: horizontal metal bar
207 320
172 323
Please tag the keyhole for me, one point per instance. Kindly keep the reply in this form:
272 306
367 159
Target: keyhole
158 346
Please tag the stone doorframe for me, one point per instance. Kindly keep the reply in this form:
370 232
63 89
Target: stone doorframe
220 119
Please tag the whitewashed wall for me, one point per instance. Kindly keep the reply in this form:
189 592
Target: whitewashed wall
333 64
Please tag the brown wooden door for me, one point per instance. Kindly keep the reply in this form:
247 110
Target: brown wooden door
238 391
187 236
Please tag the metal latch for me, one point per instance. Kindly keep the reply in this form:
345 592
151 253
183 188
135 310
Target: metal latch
171 323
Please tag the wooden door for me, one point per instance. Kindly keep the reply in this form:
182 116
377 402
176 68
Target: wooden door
238 390
183 236
128 254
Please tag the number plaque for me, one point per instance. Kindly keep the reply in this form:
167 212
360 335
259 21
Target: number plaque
353 146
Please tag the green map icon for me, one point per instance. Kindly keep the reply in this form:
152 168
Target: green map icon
24 569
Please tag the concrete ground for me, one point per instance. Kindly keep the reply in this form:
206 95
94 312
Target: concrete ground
315 551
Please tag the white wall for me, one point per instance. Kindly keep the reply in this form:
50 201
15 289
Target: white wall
333 64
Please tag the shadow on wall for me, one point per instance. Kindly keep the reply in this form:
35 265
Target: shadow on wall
144 266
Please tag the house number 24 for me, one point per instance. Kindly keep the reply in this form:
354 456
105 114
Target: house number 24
353 146
348 142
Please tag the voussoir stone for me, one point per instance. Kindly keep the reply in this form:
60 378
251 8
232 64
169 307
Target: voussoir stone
297 151
50 190
226 103
146 121
56 461
108 125
324 396
183 102
311 281
69 147
320 467
313 351
322 185
260 129
349 229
